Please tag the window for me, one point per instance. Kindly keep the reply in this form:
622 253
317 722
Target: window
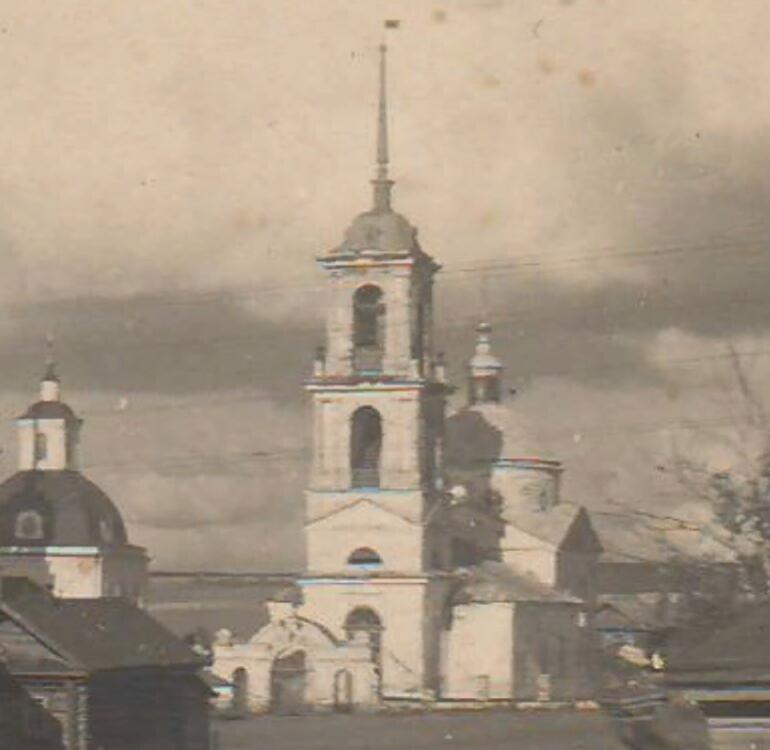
365 447
105 531
368 329
41 447
365 557
29 525
367 621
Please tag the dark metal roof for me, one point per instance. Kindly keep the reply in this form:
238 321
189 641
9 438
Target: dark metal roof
75 511
89 635
50 410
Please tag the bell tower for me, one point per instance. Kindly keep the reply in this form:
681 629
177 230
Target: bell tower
378 394
372 527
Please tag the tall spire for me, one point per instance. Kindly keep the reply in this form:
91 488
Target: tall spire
382 184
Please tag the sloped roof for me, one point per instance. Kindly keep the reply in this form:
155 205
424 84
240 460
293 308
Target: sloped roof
50 410
382 231
551 524
637 611
633 537
738 653
90 635
497 582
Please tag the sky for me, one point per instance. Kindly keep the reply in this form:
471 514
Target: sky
593 176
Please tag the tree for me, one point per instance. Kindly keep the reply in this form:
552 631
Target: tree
739 498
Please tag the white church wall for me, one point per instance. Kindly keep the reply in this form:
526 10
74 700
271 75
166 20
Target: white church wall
331 540
76 576
529 555
396 288
400 414
336 674
525 488
400 606
479 663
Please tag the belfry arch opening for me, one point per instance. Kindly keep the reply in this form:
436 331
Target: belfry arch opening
364 557
368 329
365 447
364 620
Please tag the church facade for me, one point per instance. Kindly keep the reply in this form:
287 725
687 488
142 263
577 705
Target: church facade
432 573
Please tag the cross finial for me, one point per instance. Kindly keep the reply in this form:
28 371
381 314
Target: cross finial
50 361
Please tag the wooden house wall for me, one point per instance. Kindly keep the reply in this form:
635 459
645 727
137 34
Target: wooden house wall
154 710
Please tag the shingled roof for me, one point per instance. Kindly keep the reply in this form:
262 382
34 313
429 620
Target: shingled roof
86 635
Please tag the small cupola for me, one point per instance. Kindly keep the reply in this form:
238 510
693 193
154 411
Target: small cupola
48 430
50 385
484 370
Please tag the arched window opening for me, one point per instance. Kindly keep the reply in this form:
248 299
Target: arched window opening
368 329
485 390
41 446
365 447
29 525
365 557
418 335
364 620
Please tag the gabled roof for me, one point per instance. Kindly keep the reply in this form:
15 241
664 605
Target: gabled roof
359 501
550 525
629 611
89 635
497 582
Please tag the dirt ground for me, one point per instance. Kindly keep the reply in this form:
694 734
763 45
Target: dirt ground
455 731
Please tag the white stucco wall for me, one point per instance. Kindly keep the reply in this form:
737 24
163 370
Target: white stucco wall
401 605
330 540
479 659
529 555
78 573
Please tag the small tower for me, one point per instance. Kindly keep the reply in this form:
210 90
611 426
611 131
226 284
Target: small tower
484 370
48 430
56 526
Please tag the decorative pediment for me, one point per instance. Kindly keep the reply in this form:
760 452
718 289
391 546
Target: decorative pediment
363 512
294 633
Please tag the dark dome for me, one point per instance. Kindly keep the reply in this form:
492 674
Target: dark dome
383 231
50 410
73 510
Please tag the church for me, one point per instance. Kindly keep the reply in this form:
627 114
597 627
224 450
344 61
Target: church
442 565
56 526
